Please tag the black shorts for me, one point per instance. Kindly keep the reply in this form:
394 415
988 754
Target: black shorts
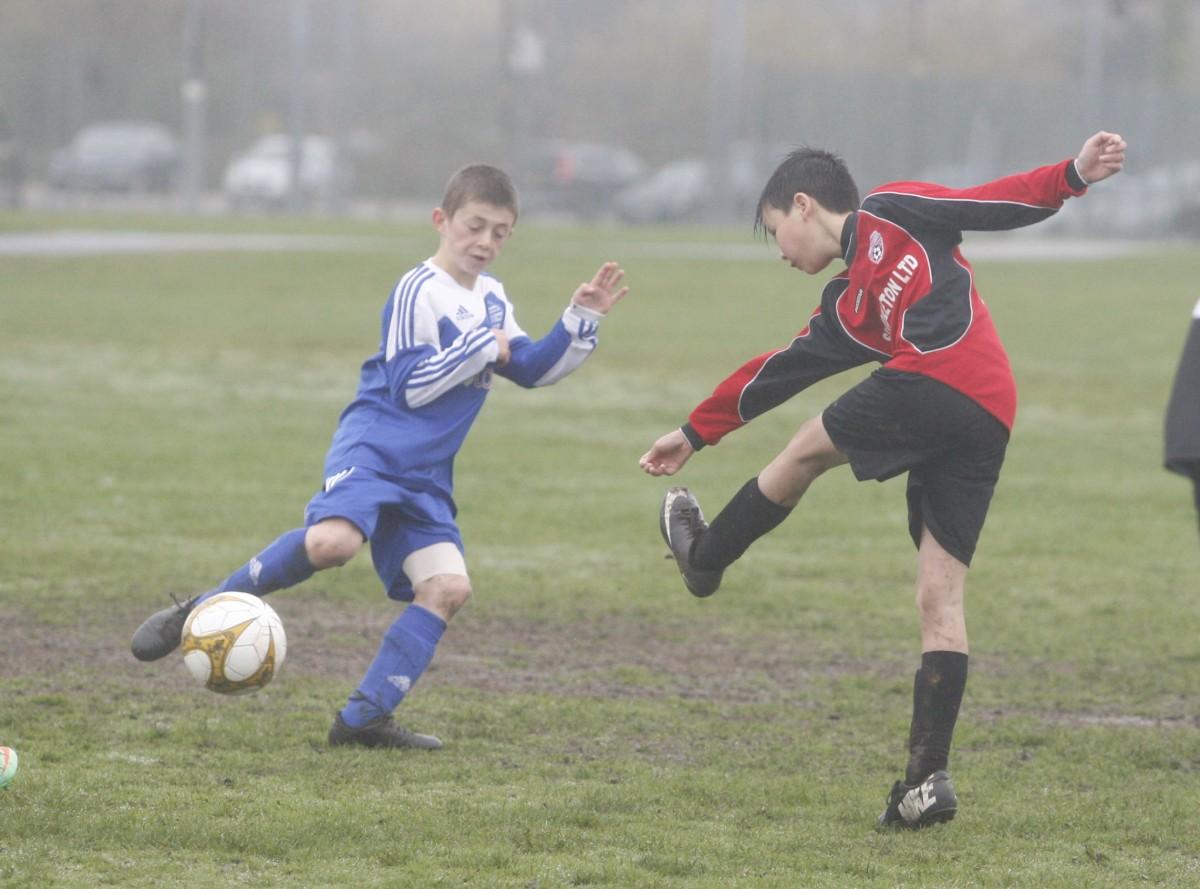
951 448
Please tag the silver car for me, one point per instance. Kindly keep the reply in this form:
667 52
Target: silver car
118 156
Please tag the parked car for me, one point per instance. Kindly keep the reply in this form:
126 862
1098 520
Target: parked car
133 155
262 176
581 178
681 190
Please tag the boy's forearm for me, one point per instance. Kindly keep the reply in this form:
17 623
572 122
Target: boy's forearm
558 353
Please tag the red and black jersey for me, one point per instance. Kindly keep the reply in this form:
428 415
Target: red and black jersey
906 299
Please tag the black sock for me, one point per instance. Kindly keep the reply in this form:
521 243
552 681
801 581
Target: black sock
937 692
745 518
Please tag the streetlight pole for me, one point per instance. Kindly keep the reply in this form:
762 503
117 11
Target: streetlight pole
296 105
195 107
725 99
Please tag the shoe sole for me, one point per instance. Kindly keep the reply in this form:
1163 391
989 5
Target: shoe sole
664 527
938 818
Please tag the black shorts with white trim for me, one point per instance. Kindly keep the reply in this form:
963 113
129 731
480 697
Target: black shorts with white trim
952 449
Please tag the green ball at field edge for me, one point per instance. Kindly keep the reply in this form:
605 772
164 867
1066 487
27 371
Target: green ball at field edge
8 765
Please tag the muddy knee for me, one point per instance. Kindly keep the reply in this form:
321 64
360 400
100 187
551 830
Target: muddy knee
443 594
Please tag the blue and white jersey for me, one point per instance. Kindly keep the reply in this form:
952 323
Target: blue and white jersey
419 394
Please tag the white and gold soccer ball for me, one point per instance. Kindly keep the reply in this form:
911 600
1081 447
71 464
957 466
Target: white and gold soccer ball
234 643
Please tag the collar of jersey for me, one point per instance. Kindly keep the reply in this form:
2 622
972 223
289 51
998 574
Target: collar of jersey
849 242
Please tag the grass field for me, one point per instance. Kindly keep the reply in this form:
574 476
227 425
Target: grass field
163 416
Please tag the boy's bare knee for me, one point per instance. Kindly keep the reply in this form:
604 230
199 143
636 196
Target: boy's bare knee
443 594
936 599
809 453
332 543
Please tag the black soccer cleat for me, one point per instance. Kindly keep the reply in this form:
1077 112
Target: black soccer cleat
160 633
933 801
379 732
681 523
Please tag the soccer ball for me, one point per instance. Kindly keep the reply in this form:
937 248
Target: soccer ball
8 765
234 643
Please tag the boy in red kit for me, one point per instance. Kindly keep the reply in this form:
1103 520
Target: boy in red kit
940 408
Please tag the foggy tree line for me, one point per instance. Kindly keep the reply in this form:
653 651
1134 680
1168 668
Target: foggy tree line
416 88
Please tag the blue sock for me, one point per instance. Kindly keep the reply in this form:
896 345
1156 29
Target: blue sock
282 564
406 651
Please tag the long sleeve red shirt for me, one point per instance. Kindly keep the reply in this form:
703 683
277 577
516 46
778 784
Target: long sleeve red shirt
906 299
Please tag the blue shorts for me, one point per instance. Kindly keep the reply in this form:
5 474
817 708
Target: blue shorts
396 519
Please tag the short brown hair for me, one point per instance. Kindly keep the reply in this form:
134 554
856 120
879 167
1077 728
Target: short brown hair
819 174
480 182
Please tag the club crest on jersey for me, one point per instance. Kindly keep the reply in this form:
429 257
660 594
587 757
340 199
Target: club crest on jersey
875 247
495 310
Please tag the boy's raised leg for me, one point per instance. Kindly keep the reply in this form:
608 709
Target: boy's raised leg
682 525
282 564
704 551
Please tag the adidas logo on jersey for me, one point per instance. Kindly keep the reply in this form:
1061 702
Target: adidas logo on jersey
463 313
335 478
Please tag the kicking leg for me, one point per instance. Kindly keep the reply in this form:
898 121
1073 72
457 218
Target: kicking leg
703 551
809 454
290 559
764 502
293 558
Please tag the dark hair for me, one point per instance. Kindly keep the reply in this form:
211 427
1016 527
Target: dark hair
479 182
819 174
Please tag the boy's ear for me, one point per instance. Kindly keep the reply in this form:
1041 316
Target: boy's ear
439 217
802 202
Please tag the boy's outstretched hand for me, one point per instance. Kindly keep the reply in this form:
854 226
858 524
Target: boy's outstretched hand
667 455
601 293
1102 155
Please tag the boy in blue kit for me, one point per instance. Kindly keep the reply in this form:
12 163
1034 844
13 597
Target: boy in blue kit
446 329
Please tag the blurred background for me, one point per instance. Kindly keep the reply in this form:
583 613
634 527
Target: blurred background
638 111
